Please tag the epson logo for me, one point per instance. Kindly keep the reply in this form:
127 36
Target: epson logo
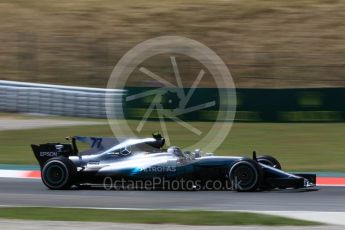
48 154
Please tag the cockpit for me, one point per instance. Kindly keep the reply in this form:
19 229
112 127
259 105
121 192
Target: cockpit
176 151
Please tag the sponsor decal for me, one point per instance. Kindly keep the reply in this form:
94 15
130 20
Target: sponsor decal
160 169
48 154
59 148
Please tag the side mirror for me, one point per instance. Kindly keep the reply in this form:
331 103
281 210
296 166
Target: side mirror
254 156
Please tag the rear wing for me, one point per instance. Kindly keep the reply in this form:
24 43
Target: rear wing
44 152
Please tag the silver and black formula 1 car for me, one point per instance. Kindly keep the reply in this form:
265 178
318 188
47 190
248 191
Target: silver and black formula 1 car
111 159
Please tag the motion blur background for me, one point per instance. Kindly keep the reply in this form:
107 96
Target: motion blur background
266 44
286 59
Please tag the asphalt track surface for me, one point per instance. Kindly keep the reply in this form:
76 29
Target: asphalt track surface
31 192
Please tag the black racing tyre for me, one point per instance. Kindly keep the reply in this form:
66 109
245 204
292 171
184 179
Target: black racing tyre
58 173
245 176
270 161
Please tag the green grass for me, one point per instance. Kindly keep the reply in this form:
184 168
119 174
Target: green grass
271 43
148 217
300 147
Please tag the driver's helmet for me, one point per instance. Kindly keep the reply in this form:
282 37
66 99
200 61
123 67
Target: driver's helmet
175 151
198 153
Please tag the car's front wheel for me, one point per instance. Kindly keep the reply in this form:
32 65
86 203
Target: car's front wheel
58 173
245 176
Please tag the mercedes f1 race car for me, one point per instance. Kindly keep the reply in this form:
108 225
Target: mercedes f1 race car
124 162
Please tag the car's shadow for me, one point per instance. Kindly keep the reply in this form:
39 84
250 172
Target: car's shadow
301 190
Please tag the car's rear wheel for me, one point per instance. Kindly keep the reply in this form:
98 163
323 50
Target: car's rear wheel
245 176
270 161
58 173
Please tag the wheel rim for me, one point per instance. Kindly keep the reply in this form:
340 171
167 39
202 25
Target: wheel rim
55 174
244 176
